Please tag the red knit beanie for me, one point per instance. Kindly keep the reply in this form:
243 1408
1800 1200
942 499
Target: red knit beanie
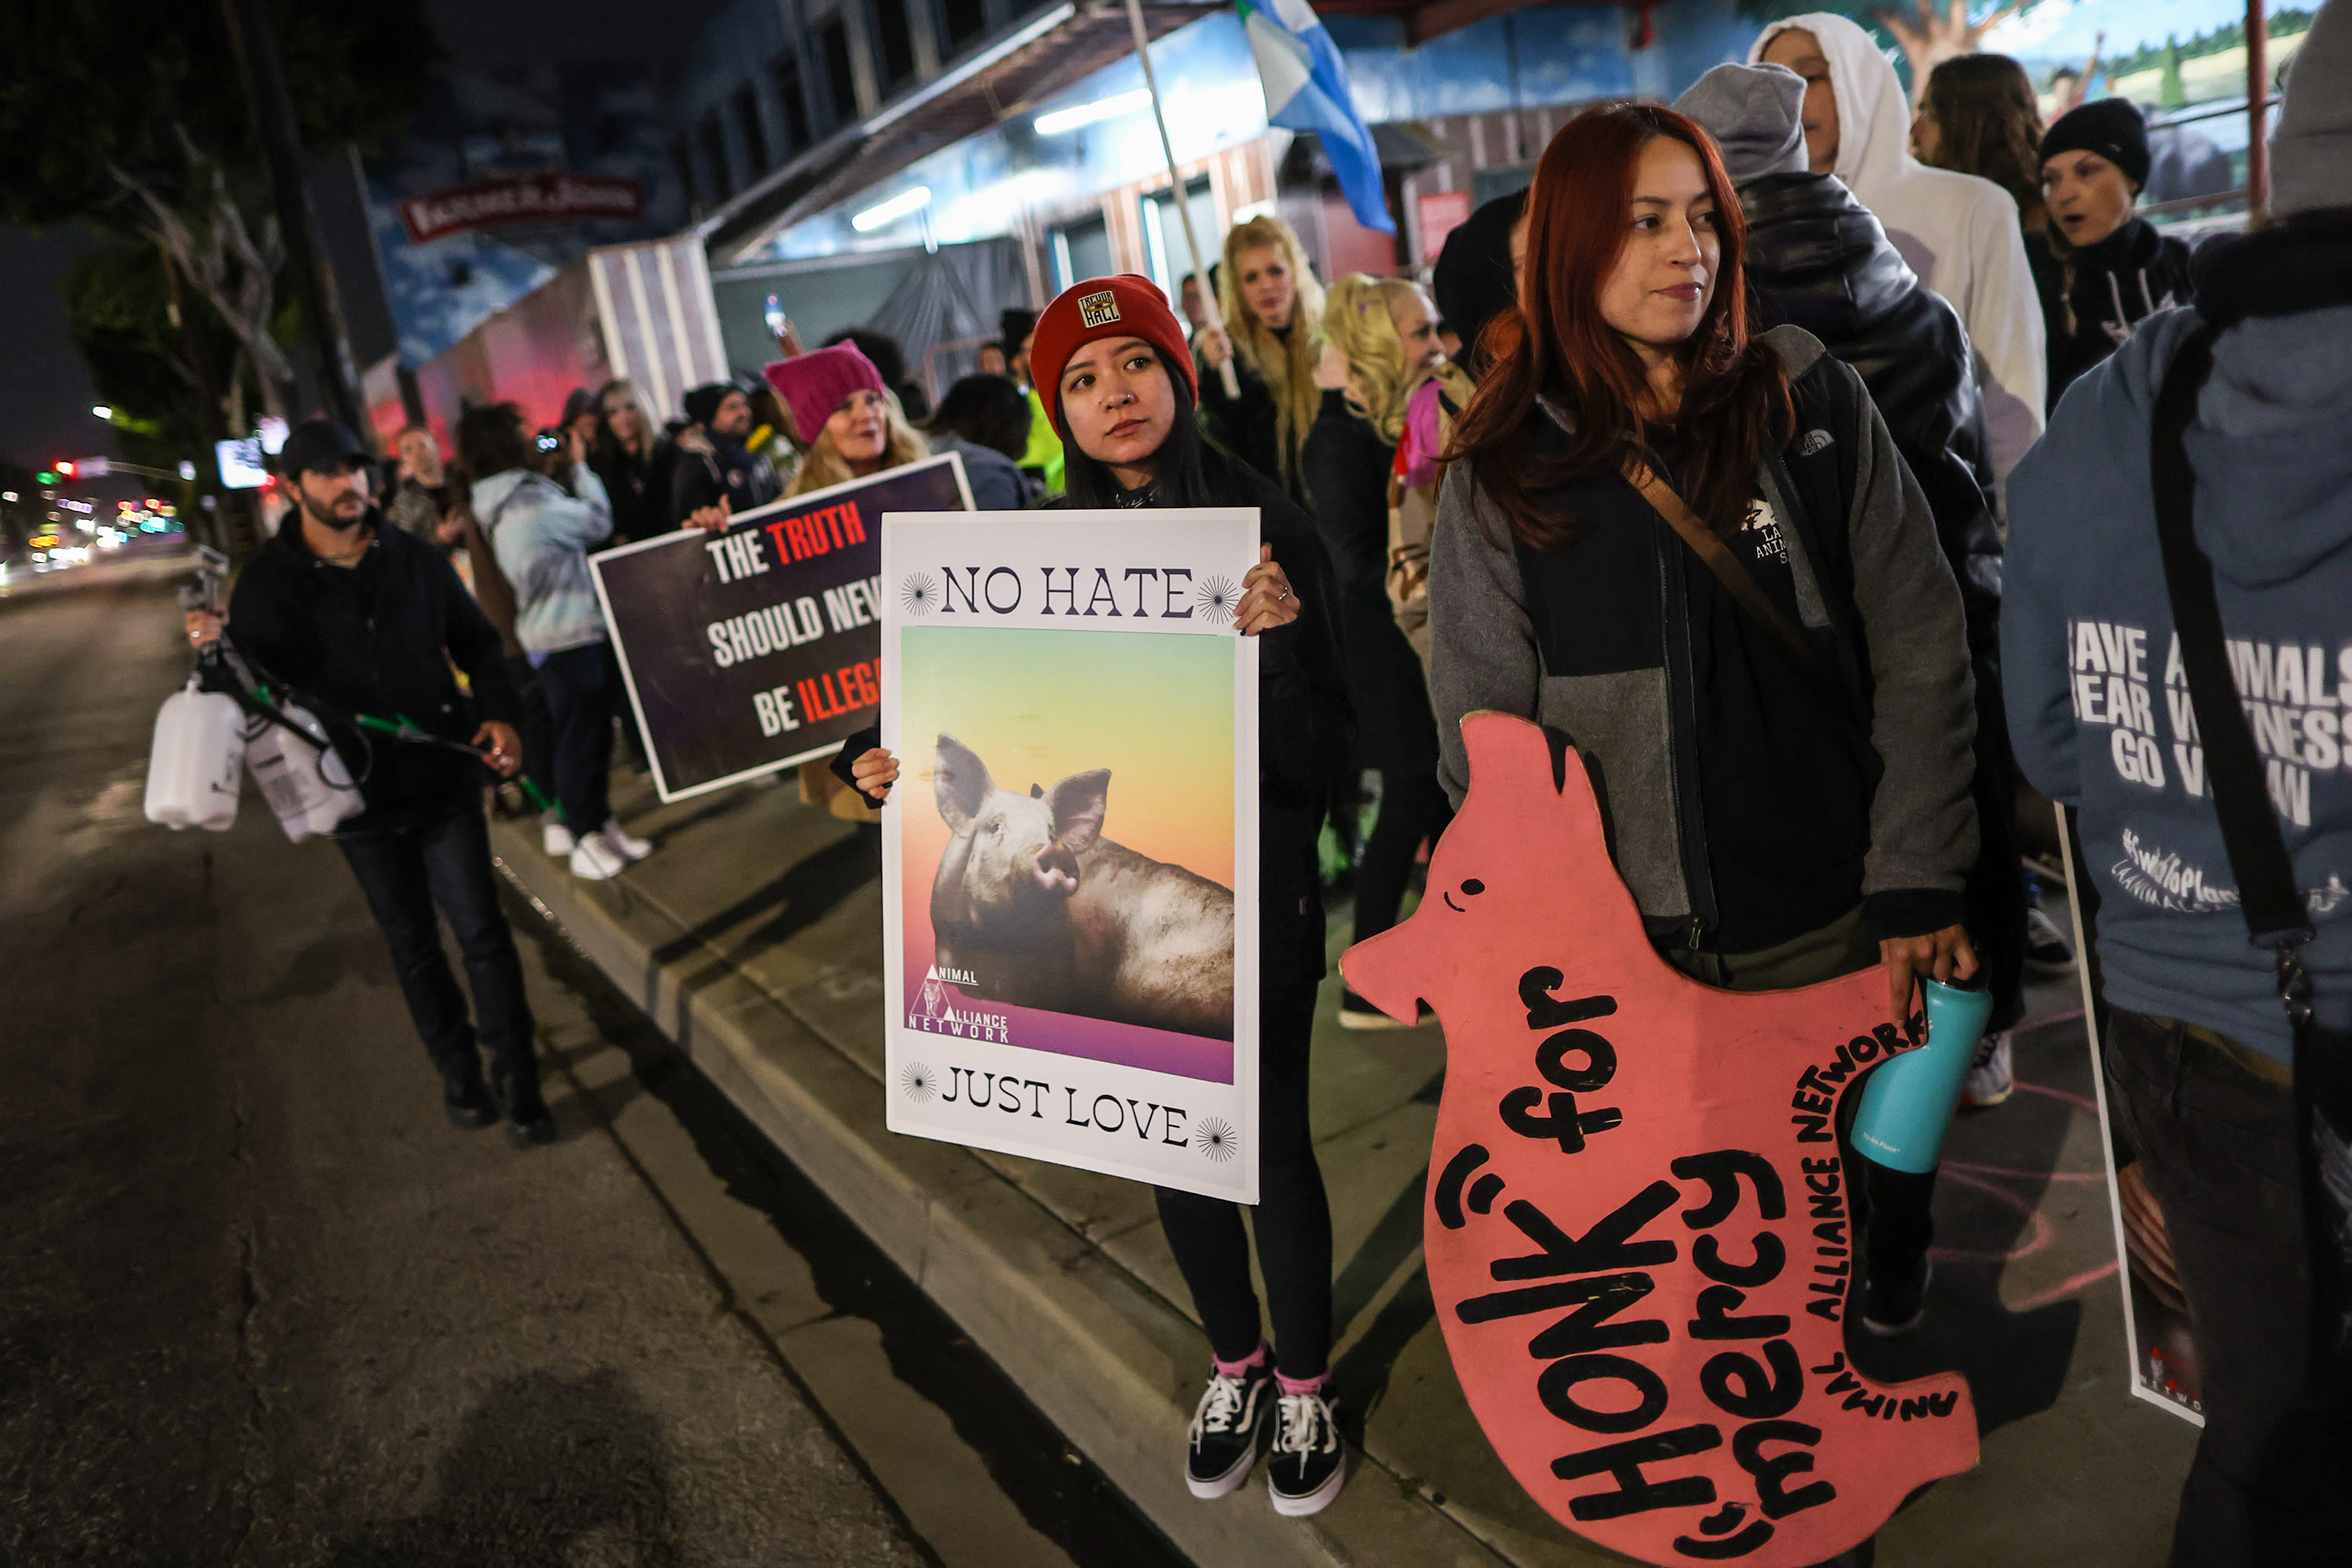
1127 306
811 386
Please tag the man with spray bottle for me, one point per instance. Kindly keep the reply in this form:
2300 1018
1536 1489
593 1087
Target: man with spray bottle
361 623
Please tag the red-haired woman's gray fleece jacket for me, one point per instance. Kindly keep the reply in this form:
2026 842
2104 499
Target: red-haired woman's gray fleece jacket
1746 804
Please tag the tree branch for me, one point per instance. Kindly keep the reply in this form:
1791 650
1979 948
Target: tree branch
2001 13
246 314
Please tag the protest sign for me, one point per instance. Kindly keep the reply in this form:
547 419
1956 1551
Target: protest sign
2161 1351
754 649
1639 1230
1070 856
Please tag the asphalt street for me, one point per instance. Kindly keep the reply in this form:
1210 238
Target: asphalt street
260 1304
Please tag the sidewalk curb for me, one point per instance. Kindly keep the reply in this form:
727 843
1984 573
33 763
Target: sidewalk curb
1105 1357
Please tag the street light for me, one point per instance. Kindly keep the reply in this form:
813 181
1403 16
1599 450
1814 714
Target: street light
101 410
1109 108
896 207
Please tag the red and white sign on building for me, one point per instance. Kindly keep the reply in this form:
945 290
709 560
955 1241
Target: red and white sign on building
522 199
1439 214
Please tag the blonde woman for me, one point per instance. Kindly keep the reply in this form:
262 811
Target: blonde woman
843 418
1380 343
1272 311
850 427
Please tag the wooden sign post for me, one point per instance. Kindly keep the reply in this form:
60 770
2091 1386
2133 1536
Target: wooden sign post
1639 1228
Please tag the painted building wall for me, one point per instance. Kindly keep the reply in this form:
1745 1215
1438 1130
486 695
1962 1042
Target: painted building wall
479 124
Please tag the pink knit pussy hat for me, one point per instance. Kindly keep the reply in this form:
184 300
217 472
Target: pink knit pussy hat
811 386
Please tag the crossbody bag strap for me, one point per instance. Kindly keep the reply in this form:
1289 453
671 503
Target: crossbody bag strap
1726 566
2276 916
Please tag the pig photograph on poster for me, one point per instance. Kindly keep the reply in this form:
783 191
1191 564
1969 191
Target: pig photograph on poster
1070 854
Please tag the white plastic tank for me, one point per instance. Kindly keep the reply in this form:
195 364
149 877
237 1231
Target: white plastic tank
193 768
302 776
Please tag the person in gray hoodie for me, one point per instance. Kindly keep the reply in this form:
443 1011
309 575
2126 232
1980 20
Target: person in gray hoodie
2199 1053
542 533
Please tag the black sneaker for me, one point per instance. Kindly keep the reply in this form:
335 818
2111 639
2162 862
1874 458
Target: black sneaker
1223 1443
528 1122
1890 1308
1308 1464
468 1101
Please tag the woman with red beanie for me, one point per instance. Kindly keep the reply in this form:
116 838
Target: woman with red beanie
1117 381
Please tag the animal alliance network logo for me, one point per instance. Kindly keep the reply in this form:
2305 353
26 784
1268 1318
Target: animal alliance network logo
935 1011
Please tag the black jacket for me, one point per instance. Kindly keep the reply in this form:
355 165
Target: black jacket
1249 426
1818 259
2092 298
1347 466
377 638
698 479
639 489
1304 727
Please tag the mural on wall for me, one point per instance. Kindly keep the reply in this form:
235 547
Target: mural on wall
506 176
2182 61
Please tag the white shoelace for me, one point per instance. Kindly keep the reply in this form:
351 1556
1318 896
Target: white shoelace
1219 1406
1305 1426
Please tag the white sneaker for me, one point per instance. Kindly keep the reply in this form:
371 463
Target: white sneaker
2048 950
1992 1078
627 844
555 839
596 860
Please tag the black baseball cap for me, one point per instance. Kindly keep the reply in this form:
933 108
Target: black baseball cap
319 445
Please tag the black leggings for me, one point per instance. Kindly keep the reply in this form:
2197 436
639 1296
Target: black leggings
1293 1217
1412 807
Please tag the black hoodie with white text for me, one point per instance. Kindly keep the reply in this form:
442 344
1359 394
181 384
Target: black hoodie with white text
2092 298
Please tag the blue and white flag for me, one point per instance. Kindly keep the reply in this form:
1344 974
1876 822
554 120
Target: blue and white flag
1305 85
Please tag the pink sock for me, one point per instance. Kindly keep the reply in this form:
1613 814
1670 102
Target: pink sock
1252 1362
1297 1385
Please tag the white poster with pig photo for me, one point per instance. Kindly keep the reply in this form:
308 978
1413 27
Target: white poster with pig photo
1070 856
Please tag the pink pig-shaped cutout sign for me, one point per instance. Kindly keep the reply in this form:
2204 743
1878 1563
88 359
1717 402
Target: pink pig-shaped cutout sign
1639 1228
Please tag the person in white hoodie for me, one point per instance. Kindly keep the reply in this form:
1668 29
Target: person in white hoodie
542 533
1960 233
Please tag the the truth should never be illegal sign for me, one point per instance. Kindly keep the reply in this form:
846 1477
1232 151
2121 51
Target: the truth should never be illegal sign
750 650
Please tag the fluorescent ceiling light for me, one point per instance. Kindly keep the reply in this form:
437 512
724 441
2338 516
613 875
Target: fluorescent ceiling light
1062 120
891 211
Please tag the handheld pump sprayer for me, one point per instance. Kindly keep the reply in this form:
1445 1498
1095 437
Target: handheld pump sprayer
230 714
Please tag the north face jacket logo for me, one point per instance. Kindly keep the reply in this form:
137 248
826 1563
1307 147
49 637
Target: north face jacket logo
1814 441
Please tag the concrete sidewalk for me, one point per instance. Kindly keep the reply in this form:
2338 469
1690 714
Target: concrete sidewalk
753 938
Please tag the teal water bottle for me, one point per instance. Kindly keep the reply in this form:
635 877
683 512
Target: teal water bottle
1908 1102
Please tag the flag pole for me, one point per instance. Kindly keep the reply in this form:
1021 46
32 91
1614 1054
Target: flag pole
1225 374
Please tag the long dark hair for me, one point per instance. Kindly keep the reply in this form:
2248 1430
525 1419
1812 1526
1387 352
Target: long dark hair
1988 124
1189 469
986 409
1735 403
493 437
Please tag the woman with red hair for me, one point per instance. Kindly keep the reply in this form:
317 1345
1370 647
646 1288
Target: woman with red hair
1699 556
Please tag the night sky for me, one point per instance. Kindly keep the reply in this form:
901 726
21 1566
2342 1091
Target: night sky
46 393
45 397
